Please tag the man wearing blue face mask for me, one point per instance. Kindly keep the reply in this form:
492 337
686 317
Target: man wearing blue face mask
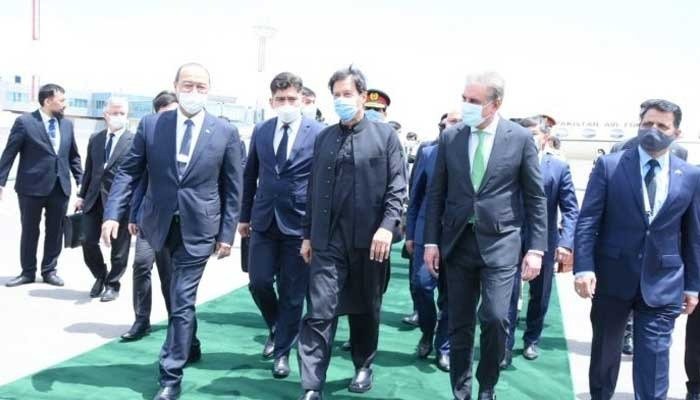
473 222
636 249
354 206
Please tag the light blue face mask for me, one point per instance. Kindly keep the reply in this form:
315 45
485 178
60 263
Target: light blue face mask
374 115
346 108
471 114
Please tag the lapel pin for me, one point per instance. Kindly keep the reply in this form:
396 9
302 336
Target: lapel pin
678 172
207 131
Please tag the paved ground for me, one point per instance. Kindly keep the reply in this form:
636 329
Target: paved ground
42 325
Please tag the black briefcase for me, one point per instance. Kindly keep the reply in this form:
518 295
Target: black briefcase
73 234
245 245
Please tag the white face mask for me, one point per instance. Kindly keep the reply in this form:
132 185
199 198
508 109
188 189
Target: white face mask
288 113
309 111
192 102
117 122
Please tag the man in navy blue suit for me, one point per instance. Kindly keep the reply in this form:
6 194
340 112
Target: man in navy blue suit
190 207
48 156
637 249
423 282
561 198
274 201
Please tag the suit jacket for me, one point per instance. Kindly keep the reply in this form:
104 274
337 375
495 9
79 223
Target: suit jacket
561 196
615 240
421 178
511 194
680 151
206 197
39 165
380 183
98 176
266 192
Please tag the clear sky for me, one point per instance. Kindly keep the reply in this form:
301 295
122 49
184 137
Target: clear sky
584 60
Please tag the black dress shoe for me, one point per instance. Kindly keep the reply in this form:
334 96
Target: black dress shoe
168 393
53 280
269 349
346 346
97 288
136 332
362 381
692 396
425 346
443 362
20 280
195 354
628 345
487 394
311 395
110 294
531 352
411 320
280 368
507 360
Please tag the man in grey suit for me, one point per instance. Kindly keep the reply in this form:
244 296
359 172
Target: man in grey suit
486 186
106 151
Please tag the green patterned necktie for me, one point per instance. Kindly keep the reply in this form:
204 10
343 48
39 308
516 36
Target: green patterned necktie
479 163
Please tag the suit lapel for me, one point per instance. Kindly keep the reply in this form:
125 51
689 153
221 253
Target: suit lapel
166 131
675 183
500 141
461 144
269 142
630 164
65 137
122 145
43 135
99 149
205 134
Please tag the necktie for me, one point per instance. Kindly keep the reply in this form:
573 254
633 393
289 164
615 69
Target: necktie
52 131
650 182
185 147
281 154
479 163
108 148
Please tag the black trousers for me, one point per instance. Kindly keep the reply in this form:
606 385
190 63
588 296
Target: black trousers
275 259
92 227
30 208
468 279
692 352
187 271
144 256
331 271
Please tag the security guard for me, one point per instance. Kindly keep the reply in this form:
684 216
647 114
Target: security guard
376 105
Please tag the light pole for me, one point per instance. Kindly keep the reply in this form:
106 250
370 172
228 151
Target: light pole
263 33
36 33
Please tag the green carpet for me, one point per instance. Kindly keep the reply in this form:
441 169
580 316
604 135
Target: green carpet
232 335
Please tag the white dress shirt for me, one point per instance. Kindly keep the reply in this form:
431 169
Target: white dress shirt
291 135
45 119
198 121
115 139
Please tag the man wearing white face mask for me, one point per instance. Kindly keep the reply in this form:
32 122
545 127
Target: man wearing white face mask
190 207
274 202
106 151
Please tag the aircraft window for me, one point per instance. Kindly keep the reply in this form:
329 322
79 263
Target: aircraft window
588 133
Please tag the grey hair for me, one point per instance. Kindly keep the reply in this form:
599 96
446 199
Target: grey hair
117 101
492 80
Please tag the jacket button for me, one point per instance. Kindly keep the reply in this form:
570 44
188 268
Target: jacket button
640 255
329 168
328 181
647 233
325 211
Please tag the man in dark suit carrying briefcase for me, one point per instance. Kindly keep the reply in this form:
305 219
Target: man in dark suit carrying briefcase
106 151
